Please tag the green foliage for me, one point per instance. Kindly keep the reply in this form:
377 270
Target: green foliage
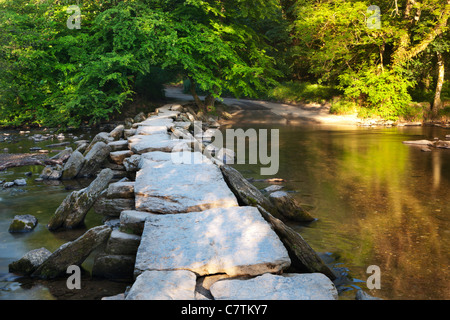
294 91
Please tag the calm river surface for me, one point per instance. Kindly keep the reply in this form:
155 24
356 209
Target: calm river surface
378 202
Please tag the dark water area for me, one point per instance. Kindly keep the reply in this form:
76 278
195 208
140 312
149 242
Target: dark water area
41 199
377 202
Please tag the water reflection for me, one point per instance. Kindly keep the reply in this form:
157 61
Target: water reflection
379 202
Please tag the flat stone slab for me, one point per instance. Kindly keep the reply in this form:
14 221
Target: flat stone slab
155 122
182 157
294 286
156 142
178 188
163 285
149 130
235 241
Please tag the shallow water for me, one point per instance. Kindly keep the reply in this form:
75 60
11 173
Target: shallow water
41 200
378 202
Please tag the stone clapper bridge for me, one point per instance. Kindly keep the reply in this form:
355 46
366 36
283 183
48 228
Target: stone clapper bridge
194 240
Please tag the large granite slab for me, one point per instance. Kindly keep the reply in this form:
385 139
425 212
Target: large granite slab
294 286
163 285
167 187
156 142
235 241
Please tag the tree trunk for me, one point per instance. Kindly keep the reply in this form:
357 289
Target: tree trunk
198 101
209 102
437 103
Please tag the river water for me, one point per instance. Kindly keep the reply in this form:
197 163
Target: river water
377 202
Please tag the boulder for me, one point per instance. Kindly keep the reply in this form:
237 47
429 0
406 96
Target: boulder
124 189
113 207
118 145
117 132
100 137
73 165
71 212
235 241
29 262
163 285
119 156
179 188
132 221
20 182
306 286
121 243
113 266
72 253
51 173
131 164
23 223
8 184
419 142
94 159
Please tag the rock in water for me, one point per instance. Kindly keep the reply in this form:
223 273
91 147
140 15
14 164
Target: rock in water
72 253
29 262
73 165
23 223
246 193
73 209
93 160
289 208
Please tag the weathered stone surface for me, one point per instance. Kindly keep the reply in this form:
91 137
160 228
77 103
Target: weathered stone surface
305 286
183 157
100 137
23 223
73 165
51 173
246 192
122 243
118 145
73 209
155 122
117 133
121 189
289 208
120 296
149 130
132 221
156 142
20 182
72 253
113 207
131 164
179 188
235 241
119 156
113 266
163 285
442 144
29 262
93 160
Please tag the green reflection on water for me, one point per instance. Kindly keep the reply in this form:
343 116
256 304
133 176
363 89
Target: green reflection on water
379 202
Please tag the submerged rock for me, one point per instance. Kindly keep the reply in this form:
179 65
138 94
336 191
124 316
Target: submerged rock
23 223
289 208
